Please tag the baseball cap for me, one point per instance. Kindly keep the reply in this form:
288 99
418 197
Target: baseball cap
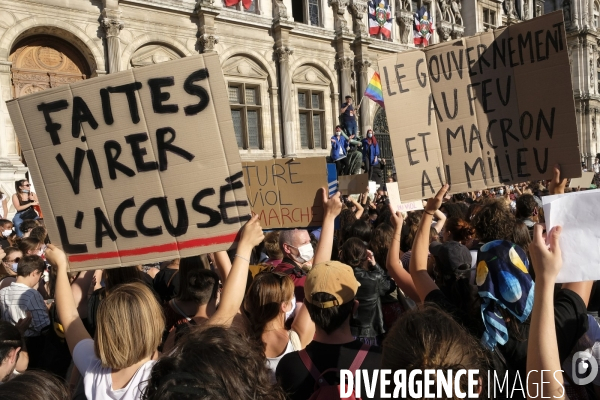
450 257
334 278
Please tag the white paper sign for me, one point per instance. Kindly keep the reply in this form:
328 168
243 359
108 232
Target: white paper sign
579 214
394 197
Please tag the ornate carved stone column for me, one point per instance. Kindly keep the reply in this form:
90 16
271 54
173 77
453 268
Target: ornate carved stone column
359 7
405 18
283 54
112 25
207 11
339 9
362 67
344 66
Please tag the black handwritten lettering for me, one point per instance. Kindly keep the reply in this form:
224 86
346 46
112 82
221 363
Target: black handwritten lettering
77 166
214 216
522 121
68 247
399 78
111 160
138 152
425 181
129 89
451 116
233 183
410 151
121 230
158 96
505 125
434 76
549 126
387 82
421 77
433 107
103 227
523 42
196 90
424 136
450 133
522 162
53 127
485 94
541 169
470 171
81 113
475 135
163 146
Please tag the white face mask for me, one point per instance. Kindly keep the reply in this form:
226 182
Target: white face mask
14 266
7 232
25 191
306 253
338 133
369 135
291 312
501 192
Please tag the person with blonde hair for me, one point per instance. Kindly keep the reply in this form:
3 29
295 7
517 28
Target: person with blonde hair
116 364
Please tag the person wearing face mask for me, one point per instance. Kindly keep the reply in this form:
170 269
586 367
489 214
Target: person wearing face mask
297 250
24 200
370 151
10 261
7 229
268 304
339 151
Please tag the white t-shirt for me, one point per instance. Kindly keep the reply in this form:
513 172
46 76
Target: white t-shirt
97 381
293 345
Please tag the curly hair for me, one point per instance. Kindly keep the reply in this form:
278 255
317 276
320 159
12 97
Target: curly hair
212 362
494 221
525 206
460 229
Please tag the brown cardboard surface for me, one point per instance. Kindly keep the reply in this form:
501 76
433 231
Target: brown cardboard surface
185 194
584 182
353 184
482 111
284 193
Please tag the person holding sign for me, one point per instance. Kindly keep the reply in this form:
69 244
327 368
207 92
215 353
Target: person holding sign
116 364
24 201
339 151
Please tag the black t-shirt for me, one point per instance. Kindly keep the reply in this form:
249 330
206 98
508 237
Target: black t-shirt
299 384
349 115
4 243
167 290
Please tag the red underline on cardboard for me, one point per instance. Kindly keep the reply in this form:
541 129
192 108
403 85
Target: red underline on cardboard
154 249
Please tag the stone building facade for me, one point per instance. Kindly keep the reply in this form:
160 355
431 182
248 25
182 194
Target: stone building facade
288 63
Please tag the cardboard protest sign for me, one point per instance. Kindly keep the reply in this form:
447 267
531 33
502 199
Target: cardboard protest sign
353 184
397 204
285 192
137 166
584 182
578 215
482 111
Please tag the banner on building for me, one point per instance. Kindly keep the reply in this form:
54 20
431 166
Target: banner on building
284 193
482 111
138 166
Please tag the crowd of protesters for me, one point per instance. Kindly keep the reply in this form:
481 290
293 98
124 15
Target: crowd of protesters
448 287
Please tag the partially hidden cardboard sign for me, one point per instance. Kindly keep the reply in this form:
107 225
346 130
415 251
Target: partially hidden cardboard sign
584 182
284 193
482 111
137 166
397 204
353 184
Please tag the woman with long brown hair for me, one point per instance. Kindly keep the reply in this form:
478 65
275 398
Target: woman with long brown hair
8 271
24 200
268 304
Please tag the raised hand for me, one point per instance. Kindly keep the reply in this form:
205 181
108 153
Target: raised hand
434 203
546 260
251 233
557 185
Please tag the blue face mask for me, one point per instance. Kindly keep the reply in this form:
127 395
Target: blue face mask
14 266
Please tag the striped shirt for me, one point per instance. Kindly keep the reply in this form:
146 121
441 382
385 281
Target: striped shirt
16 300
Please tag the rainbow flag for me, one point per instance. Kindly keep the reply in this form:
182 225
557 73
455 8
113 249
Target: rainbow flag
374 91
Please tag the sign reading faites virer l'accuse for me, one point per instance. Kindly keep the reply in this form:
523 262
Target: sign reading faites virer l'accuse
482 111
137 166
